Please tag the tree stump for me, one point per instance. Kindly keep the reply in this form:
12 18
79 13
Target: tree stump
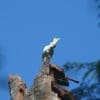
44 87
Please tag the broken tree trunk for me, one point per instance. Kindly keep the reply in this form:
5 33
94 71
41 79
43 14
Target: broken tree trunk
17 88
44 87
40 90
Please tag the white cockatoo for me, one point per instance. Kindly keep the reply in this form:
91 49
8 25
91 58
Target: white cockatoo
49 49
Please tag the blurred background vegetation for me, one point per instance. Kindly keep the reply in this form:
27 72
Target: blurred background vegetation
89 76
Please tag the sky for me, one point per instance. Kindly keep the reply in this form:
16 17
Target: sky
26 26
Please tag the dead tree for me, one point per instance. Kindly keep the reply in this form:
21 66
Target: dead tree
17 88
46 85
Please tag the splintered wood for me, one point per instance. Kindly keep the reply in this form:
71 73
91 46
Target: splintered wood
17 88
46 86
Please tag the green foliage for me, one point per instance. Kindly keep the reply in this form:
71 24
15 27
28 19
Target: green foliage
98 69
89 87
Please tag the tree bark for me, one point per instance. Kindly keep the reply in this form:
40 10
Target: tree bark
44 87
17 88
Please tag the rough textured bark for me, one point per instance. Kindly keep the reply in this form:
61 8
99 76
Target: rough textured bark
17 88
45 87
41 89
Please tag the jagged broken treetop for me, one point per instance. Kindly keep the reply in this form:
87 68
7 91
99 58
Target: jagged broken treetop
48 50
